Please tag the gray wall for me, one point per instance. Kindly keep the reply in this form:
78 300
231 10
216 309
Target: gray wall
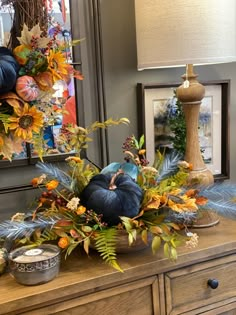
120 78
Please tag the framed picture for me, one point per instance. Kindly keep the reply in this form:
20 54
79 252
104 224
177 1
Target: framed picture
155 103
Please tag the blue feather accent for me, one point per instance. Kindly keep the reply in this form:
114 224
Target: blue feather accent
221 199
111 168
170 165
17 229
56 173
128 168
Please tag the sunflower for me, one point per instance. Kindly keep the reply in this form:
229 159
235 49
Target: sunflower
28 120
57 65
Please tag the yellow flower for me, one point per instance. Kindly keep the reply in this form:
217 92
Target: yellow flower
142 152
63 242
57 65
80 210
52 184
28 120
38 180
34 182
74 158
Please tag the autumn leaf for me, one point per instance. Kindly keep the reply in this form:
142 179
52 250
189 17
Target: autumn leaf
35 32
86 228
155 230
144 236
175 226
173 253
62 222
156 243
86 245
167 250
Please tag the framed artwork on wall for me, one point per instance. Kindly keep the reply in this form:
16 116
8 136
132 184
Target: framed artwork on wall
157 103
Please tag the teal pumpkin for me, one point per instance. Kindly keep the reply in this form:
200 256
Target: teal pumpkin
112 197
8 70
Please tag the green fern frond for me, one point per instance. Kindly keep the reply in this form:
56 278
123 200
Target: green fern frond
175 181
46 236
180 178
71 247
105 244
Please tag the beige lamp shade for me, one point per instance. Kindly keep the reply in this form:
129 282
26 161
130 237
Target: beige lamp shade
176 33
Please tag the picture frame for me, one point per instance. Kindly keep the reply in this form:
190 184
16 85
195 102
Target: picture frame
154 100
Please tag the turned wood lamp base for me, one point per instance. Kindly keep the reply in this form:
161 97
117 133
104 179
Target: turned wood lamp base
190 94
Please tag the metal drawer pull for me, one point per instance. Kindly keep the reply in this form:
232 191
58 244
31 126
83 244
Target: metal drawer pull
213 283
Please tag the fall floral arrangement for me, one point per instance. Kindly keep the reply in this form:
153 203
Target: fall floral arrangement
31 71
82 205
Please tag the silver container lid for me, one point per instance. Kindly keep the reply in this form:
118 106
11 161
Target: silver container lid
30 254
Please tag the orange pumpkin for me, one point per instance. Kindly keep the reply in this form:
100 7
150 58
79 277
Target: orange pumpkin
27 88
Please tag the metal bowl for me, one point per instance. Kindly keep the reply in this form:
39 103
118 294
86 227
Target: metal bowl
34 265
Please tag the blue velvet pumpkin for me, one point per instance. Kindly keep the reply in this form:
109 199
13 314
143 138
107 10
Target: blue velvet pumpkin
8 70
123 198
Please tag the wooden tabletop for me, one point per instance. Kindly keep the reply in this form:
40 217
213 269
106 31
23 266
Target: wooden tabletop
81 274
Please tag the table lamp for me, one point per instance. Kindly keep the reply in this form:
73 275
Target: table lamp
186 33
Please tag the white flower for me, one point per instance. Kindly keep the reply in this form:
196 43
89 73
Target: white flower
41 179
18 217
73 203
193 240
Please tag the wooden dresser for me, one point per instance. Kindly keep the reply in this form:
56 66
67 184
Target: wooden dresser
149 285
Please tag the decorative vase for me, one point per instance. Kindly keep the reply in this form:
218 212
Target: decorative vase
122 243
205 219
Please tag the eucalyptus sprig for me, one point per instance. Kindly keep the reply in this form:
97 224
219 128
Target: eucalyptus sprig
77 137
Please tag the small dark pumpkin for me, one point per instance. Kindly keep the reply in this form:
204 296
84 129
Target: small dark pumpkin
112 196
8 70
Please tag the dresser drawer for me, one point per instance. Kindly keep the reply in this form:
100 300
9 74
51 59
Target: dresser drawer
187 288
135 298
